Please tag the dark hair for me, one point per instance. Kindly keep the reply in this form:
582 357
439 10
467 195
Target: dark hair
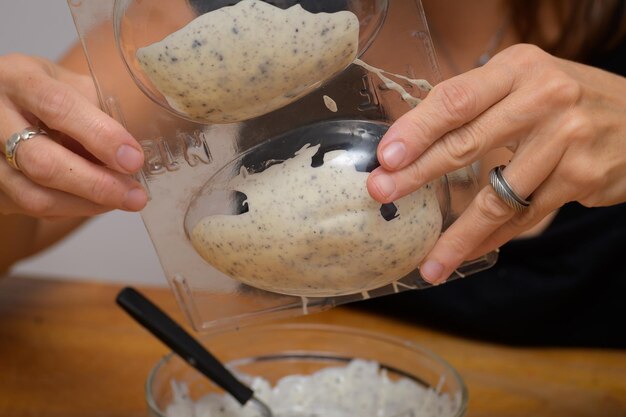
572 29
575 29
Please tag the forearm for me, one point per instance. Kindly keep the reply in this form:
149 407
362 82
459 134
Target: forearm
23 236
17 238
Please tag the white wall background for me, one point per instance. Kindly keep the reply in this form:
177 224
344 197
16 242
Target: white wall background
114 246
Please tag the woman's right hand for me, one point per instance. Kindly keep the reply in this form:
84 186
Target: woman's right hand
82 166
563 122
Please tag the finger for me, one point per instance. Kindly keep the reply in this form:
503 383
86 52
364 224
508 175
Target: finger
82 83
530 167
551 195
73 146
498 126
482 217
448 106
51 165
63 108
19 195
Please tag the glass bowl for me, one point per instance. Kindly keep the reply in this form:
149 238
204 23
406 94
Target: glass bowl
278 350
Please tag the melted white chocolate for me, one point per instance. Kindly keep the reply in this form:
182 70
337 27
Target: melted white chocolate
243 61
316 231
392 85
330 103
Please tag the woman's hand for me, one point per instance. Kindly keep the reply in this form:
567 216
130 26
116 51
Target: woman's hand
564 122
82 166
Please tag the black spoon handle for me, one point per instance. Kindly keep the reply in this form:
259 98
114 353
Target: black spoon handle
176 338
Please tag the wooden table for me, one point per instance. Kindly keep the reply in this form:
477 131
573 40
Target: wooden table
67 350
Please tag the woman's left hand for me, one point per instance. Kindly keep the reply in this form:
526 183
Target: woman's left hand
564 122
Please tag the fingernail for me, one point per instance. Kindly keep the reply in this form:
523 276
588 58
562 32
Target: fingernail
129 158
431 271
136 199
385 184
393 154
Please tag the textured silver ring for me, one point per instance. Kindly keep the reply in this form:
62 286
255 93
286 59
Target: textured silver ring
10 148
505 192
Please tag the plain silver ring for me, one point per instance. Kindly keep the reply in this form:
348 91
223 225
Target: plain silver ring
10 148
505 192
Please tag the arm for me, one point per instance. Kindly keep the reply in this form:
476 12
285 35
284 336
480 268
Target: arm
24 235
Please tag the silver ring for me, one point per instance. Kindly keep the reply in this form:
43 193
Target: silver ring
10 148
505 192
